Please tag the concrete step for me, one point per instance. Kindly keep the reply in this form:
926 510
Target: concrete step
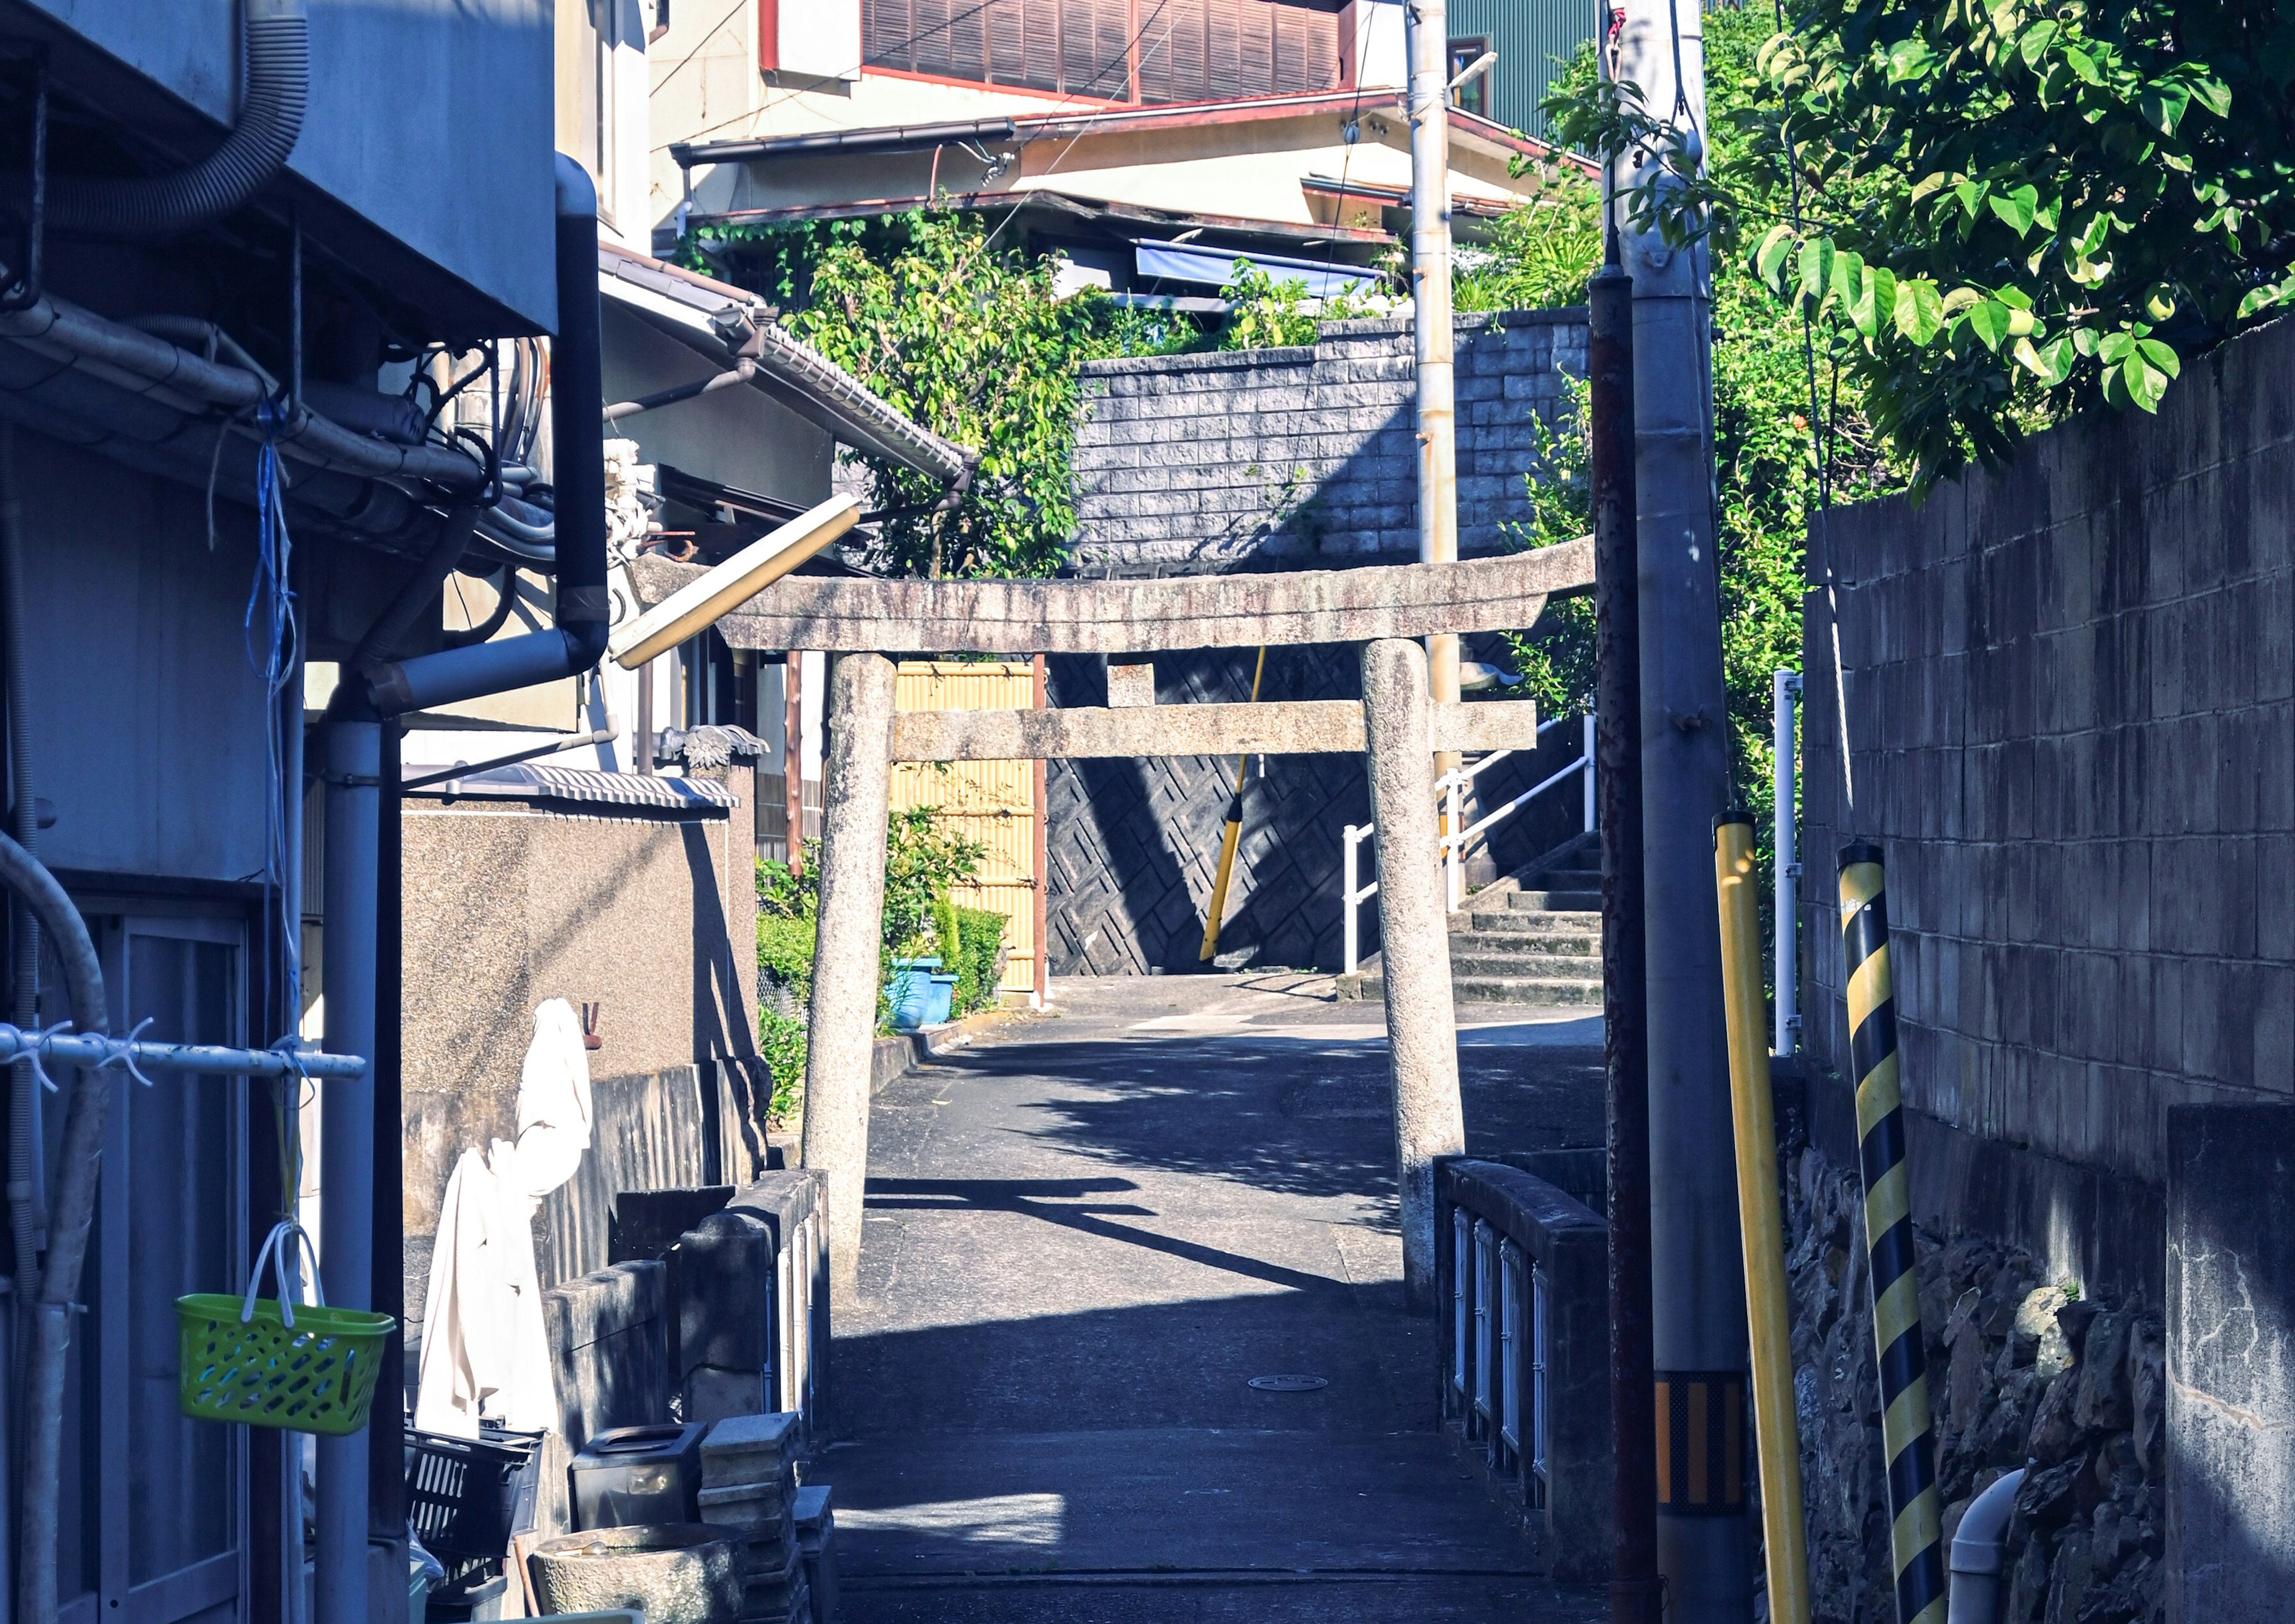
1536 921
1557 901
1539 991
1542 992
1471 958
1553 933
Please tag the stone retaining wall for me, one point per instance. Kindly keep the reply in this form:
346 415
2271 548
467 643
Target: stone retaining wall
1308 454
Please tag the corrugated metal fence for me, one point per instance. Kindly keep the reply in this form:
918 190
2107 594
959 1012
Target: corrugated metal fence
1529 36
993 803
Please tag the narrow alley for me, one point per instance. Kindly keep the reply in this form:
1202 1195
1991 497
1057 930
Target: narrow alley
1086 1237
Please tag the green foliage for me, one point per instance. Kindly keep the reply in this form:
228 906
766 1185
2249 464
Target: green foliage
1267 313
2006 210
945 942
980 941
921 862
1765 458
1536 255
781 1040
964 337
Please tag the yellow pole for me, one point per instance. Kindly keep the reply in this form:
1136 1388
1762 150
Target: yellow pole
1761 1219
1230 837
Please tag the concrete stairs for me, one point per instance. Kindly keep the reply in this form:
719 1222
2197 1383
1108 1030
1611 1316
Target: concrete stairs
1533 939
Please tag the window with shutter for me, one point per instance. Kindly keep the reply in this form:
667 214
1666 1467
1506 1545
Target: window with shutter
886 34
1148 51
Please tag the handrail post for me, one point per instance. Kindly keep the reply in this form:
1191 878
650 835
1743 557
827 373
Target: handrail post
1785 685
1589 759
1350 928
1451 843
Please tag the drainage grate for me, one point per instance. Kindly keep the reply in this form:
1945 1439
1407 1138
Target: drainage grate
1288 1384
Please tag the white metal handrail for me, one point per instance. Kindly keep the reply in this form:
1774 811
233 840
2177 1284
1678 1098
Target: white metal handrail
1785 684
1448 849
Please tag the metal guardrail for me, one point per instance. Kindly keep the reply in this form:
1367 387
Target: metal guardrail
1451 847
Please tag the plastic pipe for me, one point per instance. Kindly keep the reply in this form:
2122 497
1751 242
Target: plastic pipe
695 605
48 1337
270 119
1977 1554
24 934
1761 1219
353 770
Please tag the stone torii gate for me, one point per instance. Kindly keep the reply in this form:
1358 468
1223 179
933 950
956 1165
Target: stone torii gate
1396 724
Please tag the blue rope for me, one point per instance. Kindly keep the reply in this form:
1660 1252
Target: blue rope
272 645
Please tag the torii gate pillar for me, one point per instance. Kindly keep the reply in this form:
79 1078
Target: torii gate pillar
841 1016
1422 1042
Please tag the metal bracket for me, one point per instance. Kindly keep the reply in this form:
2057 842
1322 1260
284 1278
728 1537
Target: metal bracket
25 291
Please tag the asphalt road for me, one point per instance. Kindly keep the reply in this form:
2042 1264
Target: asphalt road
1085 1237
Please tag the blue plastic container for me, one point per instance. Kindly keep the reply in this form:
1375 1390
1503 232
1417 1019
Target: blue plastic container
912 993
941 1000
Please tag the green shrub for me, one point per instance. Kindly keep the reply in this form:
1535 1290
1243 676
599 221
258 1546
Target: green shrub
782 1037
980 938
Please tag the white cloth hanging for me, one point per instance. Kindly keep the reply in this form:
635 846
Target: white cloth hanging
484 1348
466 1317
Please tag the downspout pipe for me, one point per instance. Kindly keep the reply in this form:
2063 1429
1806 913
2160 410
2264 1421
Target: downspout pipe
1977 1554
48 1338
270 121
363 707
577 438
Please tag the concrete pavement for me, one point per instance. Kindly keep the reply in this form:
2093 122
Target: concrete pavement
1083 1240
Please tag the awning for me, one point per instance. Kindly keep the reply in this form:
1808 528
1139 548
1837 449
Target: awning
583 787
1214 266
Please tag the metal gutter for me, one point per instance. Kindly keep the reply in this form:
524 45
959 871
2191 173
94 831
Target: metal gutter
732 328
882 138
1032 127
1126 215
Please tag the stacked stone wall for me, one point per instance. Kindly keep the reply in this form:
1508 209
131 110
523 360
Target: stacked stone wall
1308 456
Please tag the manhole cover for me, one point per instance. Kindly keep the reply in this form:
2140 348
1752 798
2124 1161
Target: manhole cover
1288 1384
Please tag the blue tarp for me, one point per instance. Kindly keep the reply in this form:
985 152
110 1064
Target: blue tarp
1194 262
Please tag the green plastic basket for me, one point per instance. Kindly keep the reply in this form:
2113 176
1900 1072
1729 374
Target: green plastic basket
255 1361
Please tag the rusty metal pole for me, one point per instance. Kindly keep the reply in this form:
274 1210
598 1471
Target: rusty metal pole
1625 1036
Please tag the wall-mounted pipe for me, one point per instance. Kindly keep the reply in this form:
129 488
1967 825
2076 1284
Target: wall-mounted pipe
47 1338
1977 1554
364 704
270 120
24 1168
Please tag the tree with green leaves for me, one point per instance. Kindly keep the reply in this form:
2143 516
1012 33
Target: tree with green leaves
2019 210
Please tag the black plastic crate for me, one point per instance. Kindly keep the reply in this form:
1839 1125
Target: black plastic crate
463 1495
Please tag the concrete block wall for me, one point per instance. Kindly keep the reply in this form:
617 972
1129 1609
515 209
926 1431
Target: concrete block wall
1309 455
2070 694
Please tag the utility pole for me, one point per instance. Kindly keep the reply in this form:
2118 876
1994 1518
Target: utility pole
1697 1268
1634 1594
1428 47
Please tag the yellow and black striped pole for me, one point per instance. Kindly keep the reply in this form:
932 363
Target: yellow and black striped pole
1915 1534
1230 837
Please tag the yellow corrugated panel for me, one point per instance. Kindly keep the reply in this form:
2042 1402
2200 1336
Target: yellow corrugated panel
993 803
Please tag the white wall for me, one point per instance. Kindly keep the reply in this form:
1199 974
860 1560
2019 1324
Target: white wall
1380 56
820 38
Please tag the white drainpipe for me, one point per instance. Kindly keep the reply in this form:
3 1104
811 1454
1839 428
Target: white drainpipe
1974 1597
